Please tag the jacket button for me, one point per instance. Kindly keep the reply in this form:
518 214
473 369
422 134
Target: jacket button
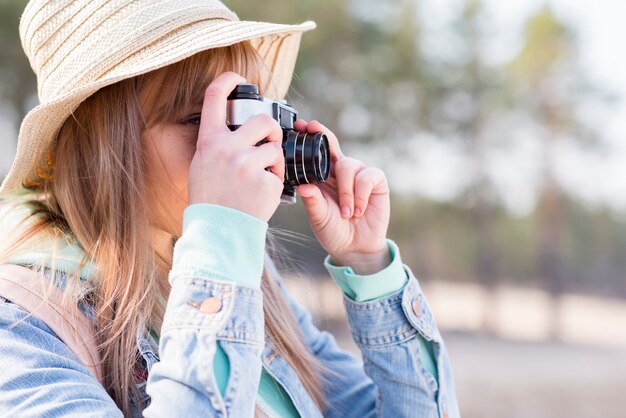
211 305
417 306
208 306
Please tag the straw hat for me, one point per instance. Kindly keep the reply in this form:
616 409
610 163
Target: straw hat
77 47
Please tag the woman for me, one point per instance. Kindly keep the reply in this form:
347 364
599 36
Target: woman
130 193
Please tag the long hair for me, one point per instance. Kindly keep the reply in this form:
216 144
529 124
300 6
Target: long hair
94 189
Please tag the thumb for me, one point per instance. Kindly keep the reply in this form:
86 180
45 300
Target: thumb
314 202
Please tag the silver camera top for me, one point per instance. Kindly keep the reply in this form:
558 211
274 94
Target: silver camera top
245 102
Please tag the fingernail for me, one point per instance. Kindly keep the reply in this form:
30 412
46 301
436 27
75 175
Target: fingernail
357 211
345 211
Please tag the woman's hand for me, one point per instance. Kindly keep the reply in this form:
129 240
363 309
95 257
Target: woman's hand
349 213
227 168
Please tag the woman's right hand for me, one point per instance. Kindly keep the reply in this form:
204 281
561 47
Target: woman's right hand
227 168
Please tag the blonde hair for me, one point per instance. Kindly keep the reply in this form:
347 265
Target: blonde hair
93 190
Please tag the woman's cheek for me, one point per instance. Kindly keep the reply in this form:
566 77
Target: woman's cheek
178 149
170 151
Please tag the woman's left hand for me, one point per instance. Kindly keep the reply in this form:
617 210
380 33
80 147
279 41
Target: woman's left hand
349 214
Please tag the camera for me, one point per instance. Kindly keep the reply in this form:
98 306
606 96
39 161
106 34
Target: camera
307 155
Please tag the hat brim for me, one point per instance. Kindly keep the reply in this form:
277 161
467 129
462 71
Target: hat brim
277 44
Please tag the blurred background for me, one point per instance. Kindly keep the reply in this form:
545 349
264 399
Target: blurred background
501 127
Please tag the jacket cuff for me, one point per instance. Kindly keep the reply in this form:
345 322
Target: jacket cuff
220 243
393 319
374 286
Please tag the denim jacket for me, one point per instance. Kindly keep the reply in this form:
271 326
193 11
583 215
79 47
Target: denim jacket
42 377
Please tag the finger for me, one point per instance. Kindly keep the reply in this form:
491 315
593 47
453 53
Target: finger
300 125
367 182
257 128
345 171
314 202
274 160
335 149
213 115
269 155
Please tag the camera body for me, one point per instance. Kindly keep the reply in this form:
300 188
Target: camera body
307 155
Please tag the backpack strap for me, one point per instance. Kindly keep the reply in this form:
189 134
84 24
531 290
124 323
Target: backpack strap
32 291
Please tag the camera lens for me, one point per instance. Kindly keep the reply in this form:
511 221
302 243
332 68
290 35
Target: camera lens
322 160
307 157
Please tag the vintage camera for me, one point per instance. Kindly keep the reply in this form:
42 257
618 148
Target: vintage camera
307 155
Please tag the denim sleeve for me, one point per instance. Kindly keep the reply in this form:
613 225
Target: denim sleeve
388 332
214 303
348 391
376 286
391 381
41 376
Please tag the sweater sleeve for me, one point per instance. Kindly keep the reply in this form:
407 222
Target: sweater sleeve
214 233
373 286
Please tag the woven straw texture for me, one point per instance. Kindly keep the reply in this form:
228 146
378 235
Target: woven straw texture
76 47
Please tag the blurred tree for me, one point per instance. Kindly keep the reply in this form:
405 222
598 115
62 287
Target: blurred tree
470 96
18 84
545 76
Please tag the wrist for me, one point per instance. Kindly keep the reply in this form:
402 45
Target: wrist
364 263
